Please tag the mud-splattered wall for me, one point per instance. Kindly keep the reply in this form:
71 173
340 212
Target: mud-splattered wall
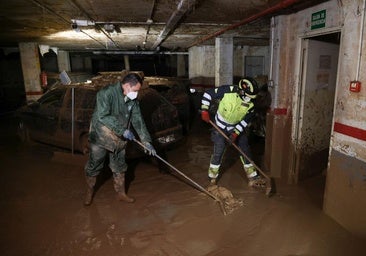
346 187
345 198
349 126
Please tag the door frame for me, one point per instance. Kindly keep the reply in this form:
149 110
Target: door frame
298 100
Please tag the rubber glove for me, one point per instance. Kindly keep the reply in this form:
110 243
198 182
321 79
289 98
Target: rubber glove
205 116
149 149
127 134
233 137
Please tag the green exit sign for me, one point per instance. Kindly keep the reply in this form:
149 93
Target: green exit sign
318 19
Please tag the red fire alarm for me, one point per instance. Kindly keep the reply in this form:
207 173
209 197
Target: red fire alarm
355 86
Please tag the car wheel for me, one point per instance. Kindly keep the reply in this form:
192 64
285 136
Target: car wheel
84 144
23 132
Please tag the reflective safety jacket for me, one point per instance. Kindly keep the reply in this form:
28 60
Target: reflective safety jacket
233 113
111 116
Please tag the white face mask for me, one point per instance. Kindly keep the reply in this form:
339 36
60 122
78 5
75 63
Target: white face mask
132 95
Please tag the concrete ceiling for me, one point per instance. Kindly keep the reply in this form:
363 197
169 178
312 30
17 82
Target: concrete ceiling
130 25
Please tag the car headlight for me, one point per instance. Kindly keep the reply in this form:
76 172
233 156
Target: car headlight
166 139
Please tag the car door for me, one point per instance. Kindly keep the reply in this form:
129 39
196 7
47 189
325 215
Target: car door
84 102
45 115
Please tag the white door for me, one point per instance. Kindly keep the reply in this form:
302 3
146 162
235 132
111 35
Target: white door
316 104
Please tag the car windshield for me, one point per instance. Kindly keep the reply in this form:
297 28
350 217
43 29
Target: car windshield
53 97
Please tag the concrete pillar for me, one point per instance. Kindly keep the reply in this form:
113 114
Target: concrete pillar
63 61
223 61
31 68
181 66
201 66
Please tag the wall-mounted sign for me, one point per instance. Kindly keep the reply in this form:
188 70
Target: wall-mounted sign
318 19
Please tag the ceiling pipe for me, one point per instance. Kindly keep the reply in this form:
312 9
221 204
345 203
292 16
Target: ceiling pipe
159 23
109 37
96 40
149 22
78 6
281 5
139 53
97 26
130 23
50 10
360 41
183 7
63 19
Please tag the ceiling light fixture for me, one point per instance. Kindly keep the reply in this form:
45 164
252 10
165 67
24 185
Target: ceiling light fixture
75 27
109 28
76 24
82 23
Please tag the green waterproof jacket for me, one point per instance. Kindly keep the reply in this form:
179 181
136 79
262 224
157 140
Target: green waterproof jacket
111 116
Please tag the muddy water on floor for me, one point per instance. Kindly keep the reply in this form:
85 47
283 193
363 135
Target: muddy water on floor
42 211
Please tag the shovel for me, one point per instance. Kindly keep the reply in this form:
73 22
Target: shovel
270 182
186 177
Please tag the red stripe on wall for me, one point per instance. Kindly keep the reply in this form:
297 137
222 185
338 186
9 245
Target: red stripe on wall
280 111
350 131
34 93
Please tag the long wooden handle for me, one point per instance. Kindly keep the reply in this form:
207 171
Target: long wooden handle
181 173
185 176
240 151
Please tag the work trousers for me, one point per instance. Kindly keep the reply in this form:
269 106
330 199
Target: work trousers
97 157
220 144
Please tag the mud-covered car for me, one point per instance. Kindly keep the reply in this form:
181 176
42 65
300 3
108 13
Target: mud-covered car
175 90
49 120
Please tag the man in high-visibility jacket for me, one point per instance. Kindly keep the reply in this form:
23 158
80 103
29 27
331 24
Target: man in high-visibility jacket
234 113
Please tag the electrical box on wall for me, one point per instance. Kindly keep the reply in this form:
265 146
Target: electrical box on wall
355 86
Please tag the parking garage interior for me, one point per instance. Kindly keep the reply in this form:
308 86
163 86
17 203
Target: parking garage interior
318 205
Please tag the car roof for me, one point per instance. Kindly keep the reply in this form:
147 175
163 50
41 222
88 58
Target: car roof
102 80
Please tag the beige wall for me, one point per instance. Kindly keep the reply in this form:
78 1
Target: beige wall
202 62
345 191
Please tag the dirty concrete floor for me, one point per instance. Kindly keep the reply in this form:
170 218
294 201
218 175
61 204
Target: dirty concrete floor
42 213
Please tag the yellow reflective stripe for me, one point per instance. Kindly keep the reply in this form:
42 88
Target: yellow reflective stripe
252 175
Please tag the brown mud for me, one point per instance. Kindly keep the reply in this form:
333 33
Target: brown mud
42 210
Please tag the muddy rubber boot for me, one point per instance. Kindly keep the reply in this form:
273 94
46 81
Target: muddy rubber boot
213 173
213 181
257 182
119 186
254 180
90 181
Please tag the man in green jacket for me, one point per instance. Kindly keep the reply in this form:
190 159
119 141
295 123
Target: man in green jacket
116 108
